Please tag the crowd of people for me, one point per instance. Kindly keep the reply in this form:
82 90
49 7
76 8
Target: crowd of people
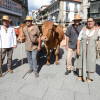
80 40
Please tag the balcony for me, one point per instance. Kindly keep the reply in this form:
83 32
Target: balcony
95 7
11 7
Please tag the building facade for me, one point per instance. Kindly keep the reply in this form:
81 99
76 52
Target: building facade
34 14
85 7
15 9
95 10
63 11
42 12
91 8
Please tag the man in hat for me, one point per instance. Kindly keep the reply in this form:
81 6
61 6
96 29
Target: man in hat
31 34
7 42
71 42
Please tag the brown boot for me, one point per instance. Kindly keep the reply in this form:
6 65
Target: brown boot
80 78
30 71
10 71
36 75
88 80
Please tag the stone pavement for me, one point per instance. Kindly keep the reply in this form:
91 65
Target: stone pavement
52 83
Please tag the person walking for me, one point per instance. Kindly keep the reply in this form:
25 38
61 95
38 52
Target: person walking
31 34
7 42
71 42
86 49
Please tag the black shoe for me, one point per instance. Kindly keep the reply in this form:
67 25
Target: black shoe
67 72
75 73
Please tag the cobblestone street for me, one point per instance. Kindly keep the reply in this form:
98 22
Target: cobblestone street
52 84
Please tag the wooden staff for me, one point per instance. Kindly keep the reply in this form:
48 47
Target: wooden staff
21 60
21 56
1 57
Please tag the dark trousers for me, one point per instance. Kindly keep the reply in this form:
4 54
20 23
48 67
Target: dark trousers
9 52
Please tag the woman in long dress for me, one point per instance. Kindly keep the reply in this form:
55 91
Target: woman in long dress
86 49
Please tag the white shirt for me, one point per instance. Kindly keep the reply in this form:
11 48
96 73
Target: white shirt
7 39
88 33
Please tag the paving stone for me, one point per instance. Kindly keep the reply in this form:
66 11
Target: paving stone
55 94
34 90
82 87
79 96
69 82
94 87
9 95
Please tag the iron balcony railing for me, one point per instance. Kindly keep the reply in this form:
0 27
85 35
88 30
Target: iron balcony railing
10 6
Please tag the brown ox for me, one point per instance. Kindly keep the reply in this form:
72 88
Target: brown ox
52 36
21 32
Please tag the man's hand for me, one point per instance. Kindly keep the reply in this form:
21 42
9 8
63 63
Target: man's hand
84 28
67 47
78 51
39 48
15 46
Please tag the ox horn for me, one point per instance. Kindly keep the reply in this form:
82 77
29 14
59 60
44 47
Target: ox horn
39 23
56 24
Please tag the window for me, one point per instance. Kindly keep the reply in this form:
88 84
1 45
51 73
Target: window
67 6
76 8
24 2
67 17
1 3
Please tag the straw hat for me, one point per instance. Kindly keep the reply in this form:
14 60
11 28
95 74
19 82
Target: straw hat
29 18
77 17
6 18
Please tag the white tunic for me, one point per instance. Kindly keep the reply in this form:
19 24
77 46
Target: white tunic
7 39
88 33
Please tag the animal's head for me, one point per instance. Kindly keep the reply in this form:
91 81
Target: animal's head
48 31
21 31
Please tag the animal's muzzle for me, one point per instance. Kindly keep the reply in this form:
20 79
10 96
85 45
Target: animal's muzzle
44 38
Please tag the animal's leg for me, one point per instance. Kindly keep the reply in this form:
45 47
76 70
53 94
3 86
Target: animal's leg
57 53
48 57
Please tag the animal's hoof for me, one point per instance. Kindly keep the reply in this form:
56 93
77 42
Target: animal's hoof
0 75
57 63
48 63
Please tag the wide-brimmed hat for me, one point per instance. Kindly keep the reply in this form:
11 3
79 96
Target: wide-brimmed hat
5 18
77 17
29 18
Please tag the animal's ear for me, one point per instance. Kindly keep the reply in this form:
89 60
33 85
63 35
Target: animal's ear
55 34
54 30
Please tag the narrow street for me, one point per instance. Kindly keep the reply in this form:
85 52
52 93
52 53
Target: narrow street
52 84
